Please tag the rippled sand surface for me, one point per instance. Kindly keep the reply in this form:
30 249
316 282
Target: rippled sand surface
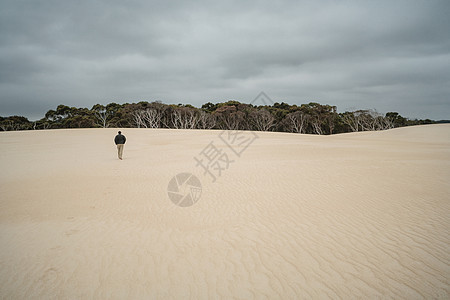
360 215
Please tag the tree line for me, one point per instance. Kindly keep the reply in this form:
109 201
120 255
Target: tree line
311 118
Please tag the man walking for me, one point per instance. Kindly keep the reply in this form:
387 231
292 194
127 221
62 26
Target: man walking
120 141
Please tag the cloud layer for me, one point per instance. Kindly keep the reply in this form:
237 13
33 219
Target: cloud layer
387 55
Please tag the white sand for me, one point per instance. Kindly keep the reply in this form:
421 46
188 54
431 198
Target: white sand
364 215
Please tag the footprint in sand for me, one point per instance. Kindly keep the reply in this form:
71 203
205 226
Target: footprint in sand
49 276
71 232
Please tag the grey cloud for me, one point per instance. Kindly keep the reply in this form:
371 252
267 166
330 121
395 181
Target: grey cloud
362 54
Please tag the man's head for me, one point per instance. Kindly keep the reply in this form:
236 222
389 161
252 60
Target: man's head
120 132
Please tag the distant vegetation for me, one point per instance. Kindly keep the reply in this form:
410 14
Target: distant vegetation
312 118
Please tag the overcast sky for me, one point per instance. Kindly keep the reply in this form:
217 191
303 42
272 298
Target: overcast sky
387 55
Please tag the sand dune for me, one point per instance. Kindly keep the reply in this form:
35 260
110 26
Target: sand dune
361 215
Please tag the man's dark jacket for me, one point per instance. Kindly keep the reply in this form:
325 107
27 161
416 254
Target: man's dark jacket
120 139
